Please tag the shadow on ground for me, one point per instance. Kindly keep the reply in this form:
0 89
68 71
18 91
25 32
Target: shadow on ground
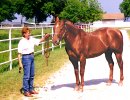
87 83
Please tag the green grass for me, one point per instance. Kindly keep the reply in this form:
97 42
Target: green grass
11 81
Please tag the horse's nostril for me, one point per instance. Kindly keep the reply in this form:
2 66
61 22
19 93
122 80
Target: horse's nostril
56 42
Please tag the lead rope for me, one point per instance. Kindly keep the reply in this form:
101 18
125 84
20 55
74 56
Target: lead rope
46 50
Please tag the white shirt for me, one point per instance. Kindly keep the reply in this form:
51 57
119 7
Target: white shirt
27 46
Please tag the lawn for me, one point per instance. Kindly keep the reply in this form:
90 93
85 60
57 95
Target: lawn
11 81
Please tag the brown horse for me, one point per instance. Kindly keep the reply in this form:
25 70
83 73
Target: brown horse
80 45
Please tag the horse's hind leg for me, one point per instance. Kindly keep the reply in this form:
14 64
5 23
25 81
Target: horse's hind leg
109 59
120 63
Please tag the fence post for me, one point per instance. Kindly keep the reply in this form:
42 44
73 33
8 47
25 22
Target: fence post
10 49
52 36
60 44
42 43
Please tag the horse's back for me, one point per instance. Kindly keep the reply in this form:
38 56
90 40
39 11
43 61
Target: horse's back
108 30
104 39
114 38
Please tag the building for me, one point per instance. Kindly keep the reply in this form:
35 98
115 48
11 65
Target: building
112 18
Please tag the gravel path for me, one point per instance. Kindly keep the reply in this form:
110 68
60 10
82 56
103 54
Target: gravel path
61 85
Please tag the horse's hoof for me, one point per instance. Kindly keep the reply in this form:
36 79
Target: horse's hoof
109 83
76 88
120 83
81 89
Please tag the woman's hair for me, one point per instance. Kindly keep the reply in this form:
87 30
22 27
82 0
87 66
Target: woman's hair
24 30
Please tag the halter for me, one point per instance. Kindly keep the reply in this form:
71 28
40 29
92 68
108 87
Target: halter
62 35
64 32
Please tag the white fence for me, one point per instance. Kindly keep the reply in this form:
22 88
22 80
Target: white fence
10 39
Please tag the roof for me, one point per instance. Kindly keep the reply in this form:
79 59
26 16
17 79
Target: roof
113 16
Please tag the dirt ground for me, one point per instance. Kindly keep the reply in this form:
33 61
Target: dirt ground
61 85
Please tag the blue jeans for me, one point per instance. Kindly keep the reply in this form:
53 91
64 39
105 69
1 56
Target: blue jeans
28 68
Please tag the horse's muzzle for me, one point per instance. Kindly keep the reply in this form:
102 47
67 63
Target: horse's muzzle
56 42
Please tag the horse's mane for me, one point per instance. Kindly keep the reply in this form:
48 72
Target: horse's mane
71 27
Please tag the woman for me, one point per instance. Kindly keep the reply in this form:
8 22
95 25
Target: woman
26 50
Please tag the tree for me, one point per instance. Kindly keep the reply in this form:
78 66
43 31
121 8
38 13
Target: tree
82 11
94 11
7 10
76 10
39 9
125 8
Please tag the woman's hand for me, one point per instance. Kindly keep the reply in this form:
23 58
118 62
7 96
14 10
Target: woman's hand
46 36
20 62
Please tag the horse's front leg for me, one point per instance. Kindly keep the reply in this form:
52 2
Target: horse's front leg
74 62
82 70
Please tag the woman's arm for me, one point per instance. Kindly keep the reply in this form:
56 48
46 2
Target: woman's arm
45 37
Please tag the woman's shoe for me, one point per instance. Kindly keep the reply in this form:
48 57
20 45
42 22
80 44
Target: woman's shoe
33 92
28 94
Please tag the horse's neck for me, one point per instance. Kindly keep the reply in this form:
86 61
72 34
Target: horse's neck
70 34
71 29
73 34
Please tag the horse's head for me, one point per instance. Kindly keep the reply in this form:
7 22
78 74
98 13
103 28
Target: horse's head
59 31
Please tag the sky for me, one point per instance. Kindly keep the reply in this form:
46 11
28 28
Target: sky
109 6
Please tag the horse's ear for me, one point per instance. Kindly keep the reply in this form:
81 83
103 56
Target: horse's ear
57 19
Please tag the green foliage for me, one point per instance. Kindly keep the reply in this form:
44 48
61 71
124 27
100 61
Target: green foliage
7 10
75 10
39 9
82 11
71 10
58 6
125 8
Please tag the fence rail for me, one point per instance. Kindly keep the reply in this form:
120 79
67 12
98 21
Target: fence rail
10 44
